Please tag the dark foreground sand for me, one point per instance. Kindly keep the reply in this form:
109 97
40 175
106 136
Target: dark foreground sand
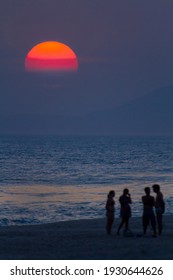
82 240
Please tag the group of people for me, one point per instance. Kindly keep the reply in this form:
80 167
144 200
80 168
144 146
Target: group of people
153 209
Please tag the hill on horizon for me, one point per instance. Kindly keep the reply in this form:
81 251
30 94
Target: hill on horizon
151 114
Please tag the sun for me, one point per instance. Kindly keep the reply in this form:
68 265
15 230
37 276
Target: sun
51 56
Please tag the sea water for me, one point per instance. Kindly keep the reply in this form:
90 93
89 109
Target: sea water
55 178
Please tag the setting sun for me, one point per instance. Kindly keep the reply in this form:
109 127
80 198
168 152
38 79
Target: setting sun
51 56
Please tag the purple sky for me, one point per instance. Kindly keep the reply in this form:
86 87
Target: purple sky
125 50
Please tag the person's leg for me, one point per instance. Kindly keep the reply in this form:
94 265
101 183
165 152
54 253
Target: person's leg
110 219
145 223
153 223
126 223
160 223
120 226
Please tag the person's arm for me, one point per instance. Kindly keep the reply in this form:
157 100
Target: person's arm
162 203
142 199
130 200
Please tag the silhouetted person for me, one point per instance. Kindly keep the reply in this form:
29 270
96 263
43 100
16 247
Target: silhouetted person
148 211
159 206
125 211
110 209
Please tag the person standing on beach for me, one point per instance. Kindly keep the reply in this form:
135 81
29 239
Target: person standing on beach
148 212
159 206
125 211
110 209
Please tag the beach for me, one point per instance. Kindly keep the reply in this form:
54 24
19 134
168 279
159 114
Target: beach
84 240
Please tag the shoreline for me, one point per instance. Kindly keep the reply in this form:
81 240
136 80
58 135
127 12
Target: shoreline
37 204
84 240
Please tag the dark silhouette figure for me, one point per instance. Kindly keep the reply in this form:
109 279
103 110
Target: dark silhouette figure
110 209
125 211
159 206
148 212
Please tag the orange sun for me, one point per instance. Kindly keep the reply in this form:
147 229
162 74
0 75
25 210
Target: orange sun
51 56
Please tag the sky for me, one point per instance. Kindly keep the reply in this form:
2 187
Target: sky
124 49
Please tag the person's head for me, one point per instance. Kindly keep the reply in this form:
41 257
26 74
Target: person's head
156 188
147 190
111 194
125 191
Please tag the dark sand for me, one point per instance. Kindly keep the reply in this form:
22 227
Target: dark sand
84 240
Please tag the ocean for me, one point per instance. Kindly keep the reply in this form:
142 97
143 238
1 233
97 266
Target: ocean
46 179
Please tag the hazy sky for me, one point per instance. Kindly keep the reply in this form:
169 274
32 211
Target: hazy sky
124 48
